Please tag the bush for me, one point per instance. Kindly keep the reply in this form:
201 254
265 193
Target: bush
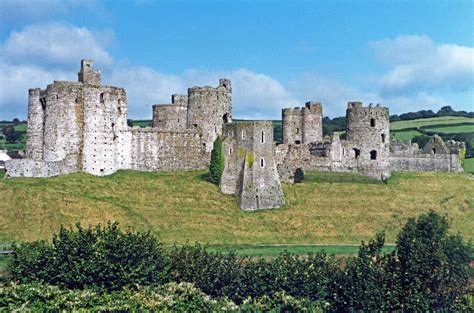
217 161
170 297
101 257
215 273
299 175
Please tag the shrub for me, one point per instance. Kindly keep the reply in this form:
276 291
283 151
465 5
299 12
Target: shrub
170 297
215 273
299 175
217 161
103 257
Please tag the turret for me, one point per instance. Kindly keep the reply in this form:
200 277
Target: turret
87 74
368 132
303 125
208 109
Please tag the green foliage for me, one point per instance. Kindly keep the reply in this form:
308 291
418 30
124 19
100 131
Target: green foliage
104 267
214 273
432 264
359 287
217 161
428 271
11 136
299 175
421 140
103 257
170 297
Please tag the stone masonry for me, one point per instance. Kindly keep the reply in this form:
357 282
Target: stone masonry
250 170
82 127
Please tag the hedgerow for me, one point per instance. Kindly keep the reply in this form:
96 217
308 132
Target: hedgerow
109 270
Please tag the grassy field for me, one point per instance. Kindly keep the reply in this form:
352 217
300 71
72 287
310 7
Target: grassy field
430 121
183 207
469 165
271 251
453 129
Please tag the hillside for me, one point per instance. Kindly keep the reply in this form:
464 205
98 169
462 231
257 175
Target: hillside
177 207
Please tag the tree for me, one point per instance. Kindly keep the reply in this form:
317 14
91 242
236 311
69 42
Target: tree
11 136
16 121
433 265
216 167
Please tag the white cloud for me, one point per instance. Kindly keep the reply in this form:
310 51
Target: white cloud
255 95
420 65
15 82
54 45
333 94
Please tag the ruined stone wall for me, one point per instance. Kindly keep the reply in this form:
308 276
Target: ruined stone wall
367 134
302 125
149 149
330 155
39 168
426 163
436 156
170 117
250 168
208 109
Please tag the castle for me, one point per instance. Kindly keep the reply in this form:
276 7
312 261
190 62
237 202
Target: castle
82 127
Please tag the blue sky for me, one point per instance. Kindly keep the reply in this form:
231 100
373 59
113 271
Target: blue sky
407 55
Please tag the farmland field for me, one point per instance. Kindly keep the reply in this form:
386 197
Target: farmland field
430 121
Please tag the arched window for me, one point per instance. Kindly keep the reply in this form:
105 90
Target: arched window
263 137
243 134
383 138
433 150
372 122
262 163
373 155
225 118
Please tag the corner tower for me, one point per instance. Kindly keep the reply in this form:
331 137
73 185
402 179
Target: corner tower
368 135
209 109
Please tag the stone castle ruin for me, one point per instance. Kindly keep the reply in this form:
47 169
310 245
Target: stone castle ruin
82 127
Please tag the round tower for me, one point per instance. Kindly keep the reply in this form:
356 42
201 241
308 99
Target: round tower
208 109
368 133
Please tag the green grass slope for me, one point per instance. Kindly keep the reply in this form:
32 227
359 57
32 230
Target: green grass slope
430 121
180 207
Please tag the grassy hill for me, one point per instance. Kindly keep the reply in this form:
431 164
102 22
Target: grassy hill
177 207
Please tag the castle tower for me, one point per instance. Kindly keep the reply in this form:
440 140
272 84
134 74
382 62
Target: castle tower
87 74
368 135
250 169
209 109
35 127
303 125
171 116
